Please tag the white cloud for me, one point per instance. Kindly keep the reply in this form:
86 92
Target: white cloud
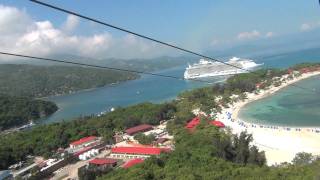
71 23
269 34
249 35
12 20
309 26
21 34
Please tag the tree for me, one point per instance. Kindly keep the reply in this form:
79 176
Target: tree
144 139
256 157
241 145
302 158
85 174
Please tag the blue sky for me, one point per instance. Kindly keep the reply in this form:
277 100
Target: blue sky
199 25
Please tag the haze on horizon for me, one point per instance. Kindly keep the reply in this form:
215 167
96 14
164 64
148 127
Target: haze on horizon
209 26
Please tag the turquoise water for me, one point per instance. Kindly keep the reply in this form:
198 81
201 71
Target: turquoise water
290 106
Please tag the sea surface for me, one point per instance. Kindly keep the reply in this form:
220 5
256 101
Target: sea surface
156 89
147 88
290 106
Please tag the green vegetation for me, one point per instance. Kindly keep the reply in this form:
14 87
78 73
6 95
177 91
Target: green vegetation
305 65
91 172
144 139
15 111
302 158
46 139
212 154
39 81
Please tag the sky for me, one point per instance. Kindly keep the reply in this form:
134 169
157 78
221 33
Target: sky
202 25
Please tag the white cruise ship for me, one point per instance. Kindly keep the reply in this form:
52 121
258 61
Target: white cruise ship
210 69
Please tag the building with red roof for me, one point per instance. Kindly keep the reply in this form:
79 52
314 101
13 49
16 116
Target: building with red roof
136 152
103 162
217 123
132 162
82 151
193 123
83 142
140 128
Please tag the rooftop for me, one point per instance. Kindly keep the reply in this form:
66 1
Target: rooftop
140 128
83 140
102 161
193 123
217 123
83 150
138 150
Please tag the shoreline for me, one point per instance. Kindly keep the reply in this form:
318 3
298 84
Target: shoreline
48 97
251 97
280 143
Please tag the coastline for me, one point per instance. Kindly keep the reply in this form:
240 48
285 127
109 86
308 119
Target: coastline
265 93
280 143
85 90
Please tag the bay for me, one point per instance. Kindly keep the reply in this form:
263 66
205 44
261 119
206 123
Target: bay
146 89
290 106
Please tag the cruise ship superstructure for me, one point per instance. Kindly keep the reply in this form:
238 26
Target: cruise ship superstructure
210 69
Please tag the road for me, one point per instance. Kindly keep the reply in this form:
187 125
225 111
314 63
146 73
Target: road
71 171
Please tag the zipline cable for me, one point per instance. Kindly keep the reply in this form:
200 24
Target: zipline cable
147 37
97 66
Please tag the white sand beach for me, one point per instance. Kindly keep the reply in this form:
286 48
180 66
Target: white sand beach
279 143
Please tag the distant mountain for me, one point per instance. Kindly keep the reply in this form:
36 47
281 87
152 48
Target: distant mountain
39 81
148 65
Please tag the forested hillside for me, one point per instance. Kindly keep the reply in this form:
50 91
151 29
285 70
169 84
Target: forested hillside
15 111
39 81
45 139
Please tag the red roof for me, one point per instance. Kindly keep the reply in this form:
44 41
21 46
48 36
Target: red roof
218 124
103 161
83 151
138 150
83 140
140 128
132 162
193 123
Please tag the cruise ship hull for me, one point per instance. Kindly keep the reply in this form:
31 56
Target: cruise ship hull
205 68
213 74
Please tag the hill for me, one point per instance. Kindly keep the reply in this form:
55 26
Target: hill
39 81
15 111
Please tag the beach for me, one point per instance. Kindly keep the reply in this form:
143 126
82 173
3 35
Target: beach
280 143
